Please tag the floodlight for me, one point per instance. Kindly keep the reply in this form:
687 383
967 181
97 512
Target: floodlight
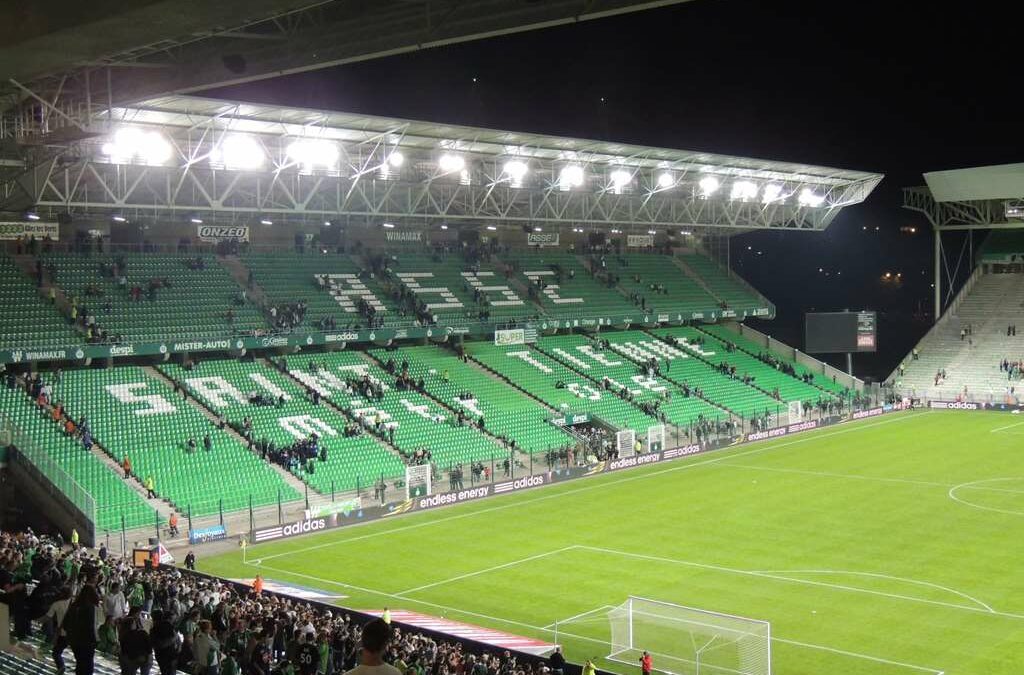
396 159
450 163
327 223
195 220
238 152
772 192
119 219
652 232
666 180
266 221
444 227
809 197
388 225
685 233
620 178
131 143
32 216
538 229
709 185
570 176
516 170
492 228
313 152
743 189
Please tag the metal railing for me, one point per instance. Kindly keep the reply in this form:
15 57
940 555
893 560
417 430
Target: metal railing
48 468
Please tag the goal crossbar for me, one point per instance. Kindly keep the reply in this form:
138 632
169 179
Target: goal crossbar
689 640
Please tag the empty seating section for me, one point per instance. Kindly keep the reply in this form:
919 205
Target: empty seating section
506 411
227 388
454 289
26 320
727 288
751 347
587 356
133 413
665 287
767 377
565 288
559 387
698 371
114 498
195 304
418 422
287 277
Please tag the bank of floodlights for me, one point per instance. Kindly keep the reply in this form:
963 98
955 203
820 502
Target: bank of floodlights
772 192
620 178
133 144
516 170
666 180
313 153
709 185
809 197
238 151
570 176
743 189
451 163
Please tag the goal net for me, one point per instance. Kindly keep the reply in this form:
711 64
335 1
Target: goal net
687 641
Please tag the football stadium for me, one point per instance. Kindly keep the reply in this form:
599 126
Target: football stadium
290 388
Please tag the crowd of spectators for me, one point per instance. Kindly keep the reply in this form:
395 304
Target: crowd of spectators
167 619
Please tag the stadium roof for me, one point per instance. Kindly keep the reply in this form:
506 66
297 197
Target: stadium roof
189 111
176 154
978 198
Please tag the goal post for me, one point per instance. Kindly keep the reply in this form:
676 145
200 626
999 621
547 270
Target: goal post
688 641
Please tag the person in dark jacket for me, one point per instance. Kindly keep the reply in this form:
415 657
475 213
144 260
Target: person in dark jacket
80 628
165 643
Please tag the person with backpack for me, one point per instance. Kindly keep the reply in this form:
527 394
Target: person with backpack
80 627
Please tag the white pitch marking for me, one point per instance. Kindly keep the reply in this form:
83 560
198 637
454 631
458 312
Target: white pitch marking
599 485
579 616
493 568
512 622
976 485
807 582
1008 426
829 474
884 576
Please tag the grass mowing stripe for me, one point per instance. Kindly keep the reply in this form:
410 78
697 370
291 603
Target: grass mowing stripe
901 417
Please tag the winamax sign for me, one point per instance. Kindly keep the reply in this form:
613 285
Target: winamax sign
10 231
638 240
215 233
542 238
404 236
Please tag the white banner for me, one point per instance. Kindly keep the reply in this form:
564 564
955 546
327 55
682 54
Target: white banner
625 443
542 238
796 412
215 233
515 336
640 240
9 231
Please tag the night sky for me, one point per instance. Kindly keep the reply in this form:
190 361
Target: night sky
894 87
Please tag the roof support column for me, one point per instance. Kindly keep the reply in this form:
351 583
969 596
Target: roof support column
938 273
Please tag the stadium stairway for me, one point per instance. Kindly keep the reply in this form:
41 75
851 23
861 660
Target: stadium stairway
211 415
432 392
32 657
240 273
688 271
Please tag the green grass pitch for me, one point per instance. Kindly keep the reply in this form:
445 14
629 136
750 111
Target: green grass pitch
890 546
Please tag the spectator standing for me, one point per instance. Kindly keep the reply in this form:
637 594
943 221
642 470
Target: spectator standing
81 624
374 641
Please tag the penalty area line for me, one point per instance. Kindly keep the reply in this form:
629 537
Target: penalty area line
544 630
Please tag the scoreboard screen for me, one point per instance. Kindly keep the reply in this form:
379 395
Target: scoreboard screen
840 332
